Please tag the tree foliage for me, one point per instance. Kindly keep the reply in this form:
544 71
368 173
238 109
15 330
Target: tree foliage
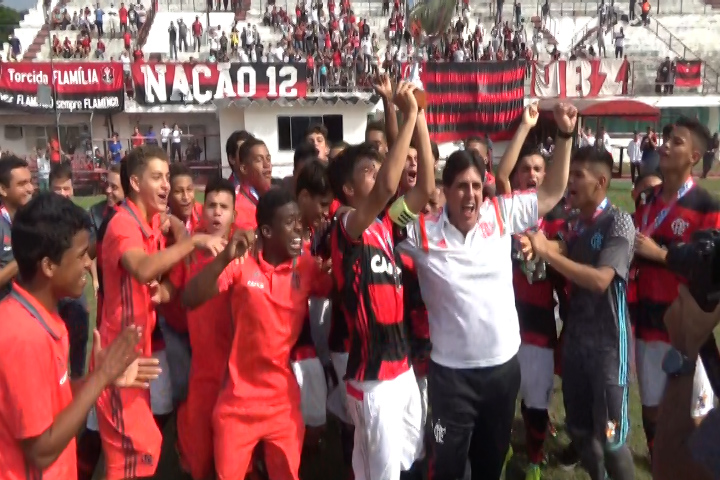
9 21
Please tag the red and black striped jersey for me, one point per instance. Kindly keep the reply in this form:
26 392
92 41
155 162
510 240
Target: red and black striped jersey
371 297
416 317
535 301
656 286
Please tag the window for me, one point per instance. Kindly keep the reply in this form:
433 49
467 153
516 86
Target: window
291 130
72 137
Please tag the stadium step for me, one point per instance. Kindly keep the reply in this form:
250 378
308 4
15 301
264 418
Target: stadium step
40 39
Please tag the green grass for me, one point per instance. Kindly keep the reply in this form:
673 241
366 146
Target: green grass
325 465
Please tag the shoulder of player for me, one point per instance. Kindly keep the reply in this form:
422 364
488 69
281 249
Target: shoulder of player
24 330
121 222
701 200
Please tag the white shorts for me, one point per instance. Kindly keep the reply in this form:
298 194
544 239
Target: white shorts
422 386
161 394
537 371
388 426
313 390
337 399
652 378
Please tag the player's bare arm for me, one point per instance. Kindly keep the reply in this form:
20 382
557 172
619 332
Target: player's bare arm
204 286
8 272
43 450
383 87
558 170
146 267
417 197
512 152
388 176
585 276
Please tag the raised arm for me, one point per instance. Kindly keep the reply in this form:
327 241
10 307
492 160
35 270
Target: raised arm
388 177
384 89
512 152
556 178
416 199
214 278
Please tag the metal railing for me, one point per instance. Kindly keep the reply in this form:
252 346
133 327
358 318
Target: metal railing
660 7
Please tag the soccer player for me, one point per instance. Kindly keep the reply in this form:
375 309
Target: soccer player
666 214
305 152
375 135
269 287
337 149
73 311
482 147
317 135
133 260
173 320
382 394
595 258
210 332
113 196
41 408
535 286
254 175
232 145
16 189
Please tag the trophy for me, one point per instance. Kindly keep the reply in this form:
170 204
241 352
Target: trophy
428 19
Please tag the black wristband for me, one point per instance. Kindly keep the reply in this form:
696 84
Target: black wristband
564 135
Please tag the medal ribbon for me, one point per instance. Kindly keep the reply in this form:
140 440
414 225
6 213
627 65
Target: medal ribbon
580 226
648 230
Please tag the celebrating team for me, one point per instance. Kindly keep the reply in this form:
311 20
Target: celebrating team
363 286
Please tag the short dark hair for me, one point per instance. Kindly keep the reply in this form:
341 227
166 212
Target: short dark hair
317 128
114 168
136 161
376 126
649 174
701 134
60 172
340 171
45 227
219 184
435 150
592 155
459 162
476 139
231 145
667 130
269 203
304 152
247 146
313 178
341 144
179 170
7 165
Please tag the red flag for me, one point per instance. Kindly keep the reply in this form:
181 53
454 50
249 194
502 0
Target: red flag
688 73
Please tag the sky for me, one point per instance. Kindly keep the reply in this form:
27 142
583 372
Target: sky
20 4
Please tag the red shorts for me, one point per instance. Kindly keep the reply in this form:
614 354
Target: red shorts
131 440
238 430
194 428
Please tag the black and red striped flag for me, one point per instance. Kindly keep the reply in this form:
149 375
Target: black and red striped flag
473 98
688 73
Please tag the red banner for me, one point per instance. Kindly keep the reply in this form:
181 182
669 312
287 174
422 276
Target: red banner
202 83
688 73
74 86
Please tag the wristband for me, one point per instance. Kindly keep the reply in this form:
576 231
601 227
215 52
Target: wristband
564 135
400 214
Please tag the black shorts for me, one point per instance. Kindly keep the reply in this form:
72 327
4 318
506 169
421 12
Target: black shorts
595 390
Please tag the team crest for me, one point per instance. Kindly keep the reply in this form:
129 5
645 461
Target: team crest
107 75
596 241
679 226
486 228
439 433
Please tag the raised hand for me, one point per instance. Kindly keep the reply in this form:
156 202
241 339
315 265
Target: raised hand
566 116
530 115
405 99
240 243
211 243
382 86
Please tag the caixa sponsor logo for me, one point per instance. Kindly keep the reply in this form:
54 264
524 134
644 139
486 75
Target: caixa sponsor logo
379 264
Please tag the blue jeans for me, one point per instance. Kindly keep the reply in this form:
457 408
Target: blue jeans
177 349
77 319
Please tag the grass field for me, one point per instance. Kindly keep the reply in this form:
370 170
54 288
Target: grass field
325 464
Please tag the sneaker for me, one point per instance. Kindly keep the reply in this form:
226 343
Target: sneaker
533 472
568 458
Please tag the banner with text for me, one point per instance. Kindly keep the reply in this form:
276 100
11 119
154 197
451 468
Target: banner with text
580 78
74 86
202 83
